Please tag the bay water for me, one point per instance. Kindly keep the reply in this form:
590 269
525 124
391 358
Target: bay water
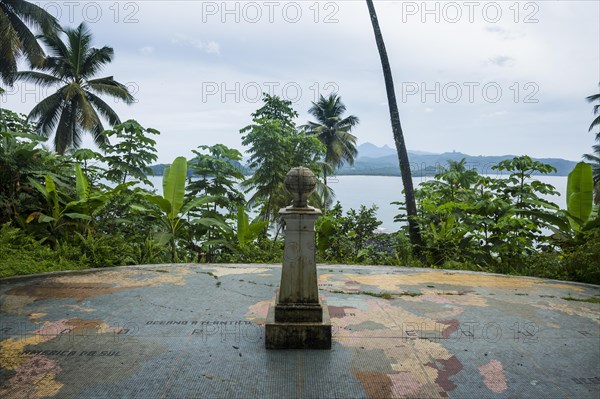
354 191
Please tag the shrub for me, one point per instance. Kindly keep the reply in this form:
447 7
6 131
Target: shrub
582 261
21 254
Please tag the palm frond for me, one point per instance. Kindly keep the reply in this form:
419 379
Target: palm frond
37 78
65 135
76 108
57 48
87 118
96 128
592 98
28 43
33 15
110 87
595 122
104 109
95 60
9 49
16 19
47 113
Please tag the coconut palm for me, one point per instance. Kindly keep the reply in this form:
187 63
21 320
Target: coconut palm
334 132
16 38
409 194
595 158
76 107
596 121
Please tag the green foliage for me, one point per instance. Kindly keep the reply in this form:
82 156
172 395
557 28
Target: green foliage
20 160
247 232
68 220
580 186
588 300
17 17
171 209
596 122
494 224
216 173
580 214
89 161
276 147
18 127
131 156
64 214
75 108
60 206
594 158
352 238
473 222
334 133
333 130
20 254
263 250
582 257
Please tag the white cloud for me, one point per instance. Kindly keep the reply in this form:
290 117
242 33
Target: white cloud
502 61
552 61
209 47
147 50
505 34
493 114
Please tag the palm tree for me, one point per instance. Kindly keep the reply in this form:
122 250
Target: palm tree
596 121
73 110
595 158
16 39
411 207
334 132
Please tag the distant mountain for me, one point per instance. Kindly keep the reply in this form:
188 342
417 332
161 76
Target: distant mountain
158 170
368 150
383 161
373 160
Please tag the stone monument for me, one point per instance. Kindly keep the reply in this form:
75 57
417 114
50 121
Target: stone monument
298 318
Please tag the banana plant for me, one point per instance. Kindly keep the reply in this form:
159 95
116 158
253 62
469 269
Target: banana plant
65 212
580 214
246 231
171 208
580 192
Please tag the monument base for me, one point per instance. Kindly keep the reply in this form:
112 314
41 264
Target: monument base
292 313
297 334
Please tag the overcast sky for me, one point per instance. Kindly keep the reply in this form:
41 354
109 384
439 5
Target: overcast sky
487 78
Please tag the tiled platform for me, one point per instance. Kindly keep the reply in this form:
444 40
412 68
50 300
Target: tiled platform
196 331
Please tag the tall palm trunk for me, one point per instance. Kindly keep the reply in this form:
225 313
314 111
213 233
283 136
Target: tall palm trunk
411 207
325 190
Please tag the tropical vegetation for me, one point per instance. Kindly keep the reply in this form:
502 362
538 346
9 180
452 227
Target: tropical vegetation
17 17
77 107
594 158
334 131
75 208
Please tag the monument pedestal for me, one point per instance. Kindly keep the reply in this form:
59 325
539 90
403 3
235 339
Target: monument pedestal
297 334
297 317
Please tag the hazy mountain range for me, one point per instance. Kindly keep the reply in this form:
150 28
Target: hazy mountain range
383 161
373 160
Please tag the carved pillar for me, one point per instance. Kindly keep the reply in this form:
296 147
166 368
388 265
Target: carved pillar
297 317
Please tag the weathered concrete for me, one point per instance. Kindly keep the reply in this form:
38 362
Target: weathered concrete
291 333
197 331
299 274
298 319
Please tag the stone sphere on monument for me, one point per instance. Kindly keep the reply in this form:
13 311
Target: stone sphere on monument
300 182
